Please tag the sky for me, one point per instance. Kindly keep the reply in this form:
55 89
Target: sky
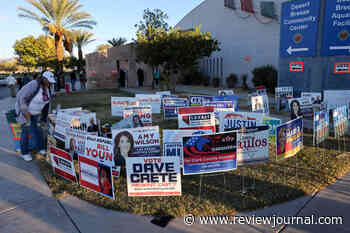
115 18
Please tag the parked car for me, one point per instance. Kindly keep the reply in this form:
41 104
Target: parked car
3 80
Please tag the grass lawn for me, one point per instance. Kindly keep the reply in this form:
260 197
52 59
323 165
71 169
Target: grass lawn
274 181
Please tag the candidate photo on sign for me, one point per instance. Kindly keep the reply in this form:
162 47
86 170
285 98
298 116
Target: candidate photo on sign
105 181
123 147
295 109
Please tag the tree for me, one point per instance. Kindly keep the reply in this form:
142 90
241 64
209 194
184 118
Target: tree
155 18
8 65
176 51
33 52
81 39
103 48
116 42
58 17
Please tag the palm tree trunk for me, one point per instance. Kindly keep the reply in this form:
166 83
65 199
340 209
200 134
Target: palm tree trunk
60 54
80 55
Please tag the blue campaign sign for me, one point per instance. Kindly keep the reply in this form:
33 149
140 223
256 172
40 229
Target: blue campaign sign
336 28
299 28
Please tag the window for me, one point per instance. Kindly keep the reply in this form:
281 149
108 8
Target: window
230 4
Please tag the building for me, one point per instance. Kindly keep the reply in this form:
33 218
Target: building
248 39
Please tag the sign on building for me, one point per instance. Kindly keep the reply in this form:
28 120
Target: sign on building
342 68
296 66
299 28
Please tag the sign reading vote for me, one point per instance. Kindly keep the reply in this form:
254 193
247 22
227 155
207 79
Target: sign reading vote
299 28
336 31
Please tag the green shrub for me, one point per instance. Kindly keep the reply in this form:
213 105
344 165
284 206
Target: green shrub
267 76
216 82
195 77
231 80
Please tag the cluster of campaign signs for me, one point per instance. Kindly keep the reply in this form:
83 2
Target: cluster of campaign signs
212 136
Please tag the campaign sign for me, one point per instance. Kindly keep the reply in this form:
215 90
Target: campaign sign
96 176
289 138
62 164
301 107
253 145
142 115
171 105
260 103
119 103
136 142
199 100
320 126
78 120
316 97
342 68
340 121
296 66
272 123
198 117
282 94
172 141
336 28
75 142
225 92
153 176
152 100
163 93
210 153
299 28
232 98
237 120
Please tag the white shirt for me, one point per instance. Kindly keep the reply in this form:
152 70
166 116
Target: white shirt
38 102
11 80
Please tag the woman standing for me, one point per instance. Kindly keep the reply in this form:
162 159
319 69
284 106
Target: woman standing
30 102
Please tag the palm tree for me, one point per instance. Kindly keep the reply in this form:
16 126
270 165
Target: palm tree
58 17
116 42
80 39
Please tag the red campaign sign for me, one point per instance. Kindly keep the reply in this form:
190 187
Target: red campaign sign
196 109
62 164
342 68
296 66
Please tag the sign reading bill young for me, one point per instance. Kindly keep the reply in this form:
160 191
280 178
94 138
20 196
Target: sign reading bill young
153 176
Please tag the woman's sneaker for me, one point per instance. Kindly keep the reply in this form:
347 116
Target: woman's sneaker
27 157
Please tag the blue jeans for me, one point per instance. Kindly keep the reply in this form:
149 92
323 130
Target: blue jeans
37 135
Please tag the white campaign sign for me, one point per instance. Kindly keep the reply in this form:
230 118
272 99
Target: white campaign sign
153 176
153 100
144 114
172 141
119 103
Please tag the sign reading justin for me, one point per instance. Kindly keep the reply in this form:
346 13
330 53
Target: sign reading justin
198 117
119 103
253 145
210 153
135 142
96 165
153 176
62 164
289 138
237 120
142 116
